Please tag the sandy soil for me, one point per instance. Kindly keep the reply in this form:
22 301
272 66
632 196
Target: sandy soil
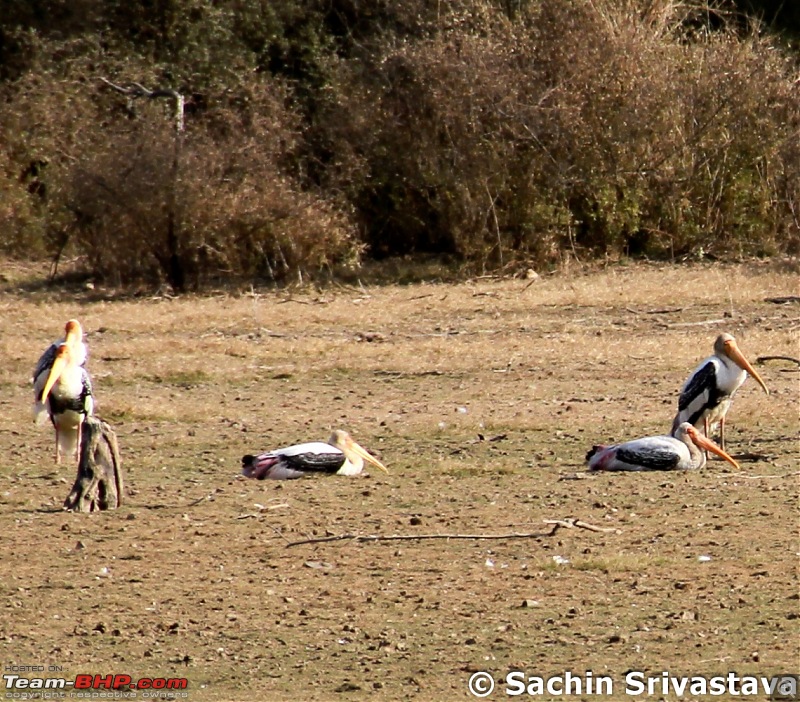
482 399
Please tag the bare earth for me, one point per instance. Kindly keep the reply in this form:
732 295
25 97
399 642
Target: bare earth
193 577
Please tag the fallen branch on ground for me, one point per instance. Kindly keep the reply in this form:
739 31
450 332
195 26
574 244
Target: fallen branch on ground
697 324
556 525
757 477
783 300
762 359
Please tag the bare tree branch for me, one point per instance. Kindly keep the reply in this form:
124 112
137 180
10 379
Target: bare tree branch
556 525
762 359
137 90
786 299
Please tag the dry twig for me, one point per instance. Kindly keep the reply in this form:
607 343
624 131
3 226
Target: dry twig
784 300
757 477
697 324
791 359
556 525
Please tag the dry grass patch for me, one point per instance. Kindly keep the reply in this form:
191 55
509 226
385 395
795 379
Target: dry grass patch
554 367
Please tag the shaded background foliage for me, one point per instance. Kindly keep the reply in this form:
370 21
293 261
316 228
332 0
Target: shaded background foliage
495 133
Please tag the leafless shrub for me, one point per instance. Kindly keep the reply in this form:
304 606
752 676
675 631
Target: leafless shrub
497 132
582 126
141 202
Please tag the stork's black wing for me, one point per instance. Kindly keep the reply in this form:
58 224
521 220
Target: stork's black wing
700 395
652 458
315 462
45 361
704 380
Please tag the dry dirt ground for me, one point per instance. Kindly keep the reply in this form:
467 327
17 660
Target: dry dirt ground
194 576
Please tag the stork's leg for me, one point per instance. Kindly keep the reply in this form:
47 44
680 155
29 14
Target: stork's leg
722 432
58 449
706 429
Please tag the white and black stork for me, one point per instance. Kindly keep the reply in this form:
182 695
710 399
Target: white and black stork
340 456
67 395
679 452
706 396
73 335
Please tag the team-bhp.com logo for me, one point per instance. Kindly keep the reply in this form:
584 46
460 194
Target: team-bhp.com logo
93 682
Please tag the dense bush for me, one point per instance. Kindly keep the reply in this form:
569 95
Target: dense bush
607 131
493 132
139 201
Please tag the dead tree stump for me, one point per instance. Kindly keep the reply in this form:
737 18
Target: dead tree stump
98 485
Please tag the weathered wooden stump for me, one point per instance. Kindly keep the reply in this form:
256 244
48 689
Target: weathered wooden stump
98 485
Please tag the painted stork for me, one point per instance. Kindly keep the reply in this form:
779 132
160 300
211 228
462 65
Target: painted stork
340 456
73 335
678 452
706 396
67 394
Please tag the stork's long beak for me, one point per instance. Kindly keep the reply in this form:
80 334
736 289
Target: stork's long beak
367 456
736 355
707 444
59 362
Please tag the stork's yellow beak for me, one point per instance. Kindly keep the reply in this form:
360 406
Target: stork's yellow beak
707 444
59 362
732 349
367 456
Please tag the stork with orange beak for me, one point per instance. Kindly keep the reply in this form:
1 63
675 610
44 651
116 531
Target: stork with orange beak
678 452
340 456
67 394
73 336
706 396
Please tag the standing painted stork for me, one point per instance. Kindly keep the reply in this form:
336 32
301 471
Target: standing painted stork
340 456
67 394
706 396
73 335
678 452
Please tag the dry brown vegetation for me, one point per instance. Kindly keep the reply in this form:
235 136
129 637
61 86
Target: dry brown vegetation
495 134
192 575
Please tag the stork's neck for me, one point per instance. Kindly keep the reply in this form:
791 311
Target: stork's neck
731 366
353 464
697 455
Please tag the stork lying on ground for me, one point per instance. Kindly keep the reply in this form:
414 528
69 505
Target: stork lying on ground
678 452
706 396
340 456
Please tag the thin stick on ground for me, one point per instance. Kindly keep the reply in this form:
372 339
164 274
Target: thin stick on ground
791 359
675 325
783 300
758 477
556 525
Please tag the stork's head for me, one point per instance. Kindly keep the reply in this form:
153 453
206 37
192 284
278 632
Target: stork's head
352 451
703 442
726 345
73 332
